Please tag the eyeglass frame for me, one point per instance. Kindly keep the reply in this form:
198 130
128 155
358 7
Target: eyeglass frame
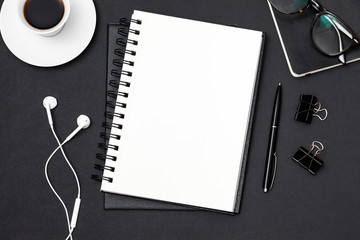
322 11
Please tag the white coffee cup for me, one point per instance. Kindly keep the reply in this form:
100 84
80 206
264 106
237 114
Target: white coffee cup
44 32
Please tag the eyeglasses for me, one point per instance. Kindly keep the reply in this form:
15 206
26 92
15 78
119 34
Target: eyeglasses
329 33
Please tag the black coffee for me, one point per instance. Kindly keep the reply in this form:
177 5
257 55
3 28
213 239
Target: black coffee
43 14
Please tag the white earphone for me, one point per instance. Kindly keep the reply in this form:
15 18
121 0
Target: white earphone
49 103
83 122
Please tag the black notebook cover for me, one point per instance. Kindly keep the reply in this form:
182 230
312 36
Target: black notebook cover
294 33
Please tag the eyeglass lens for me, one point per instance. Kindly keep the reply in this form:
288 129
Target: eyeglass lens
289 6
331 35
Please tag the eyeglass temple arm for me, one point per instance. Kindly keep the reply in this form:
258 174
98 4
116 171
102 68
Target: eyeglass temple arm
346 32
317 6
336 26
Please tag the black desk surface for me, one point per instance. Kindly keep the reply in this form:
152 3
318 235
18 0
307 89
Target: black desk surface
300 206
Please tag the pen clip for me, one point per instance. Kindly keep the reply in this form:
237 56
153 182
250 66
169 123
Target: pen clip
272 182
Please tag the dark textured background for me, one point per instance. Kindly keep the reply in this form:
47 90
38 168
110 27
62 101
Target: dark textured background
300 206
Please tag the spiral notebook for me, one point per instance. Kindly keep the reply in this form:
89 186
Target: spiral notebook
183 112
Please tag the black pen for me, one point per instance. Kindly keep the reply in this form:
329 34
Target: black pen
271 161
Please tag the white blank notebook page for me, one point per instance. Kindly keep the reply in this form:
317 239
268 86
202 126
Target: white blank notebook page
187 112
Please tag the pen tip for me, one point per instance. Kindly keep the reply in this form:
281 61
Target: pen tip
265 190
279 83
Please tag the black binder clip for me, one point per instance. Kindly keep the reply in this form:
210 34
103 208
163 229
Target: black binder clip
308 107
309 159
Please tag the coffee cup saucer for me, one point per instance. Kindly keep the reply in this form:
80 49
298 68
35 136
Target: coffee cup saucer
52 51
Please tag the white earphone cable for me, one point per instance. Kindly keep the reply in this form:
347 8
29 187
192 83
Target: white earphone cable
75 175
83 122
66 159
70 232
54 191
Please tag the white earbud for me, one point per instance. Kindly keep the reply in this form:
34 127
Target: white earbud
49 103
83 122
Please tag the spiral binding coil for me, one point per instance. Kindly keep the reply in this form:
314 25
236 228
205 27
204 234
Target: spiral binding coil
113 93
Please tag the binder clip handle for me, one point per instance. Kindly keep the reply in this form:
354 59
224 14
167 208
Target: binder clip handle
318 145
319 109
